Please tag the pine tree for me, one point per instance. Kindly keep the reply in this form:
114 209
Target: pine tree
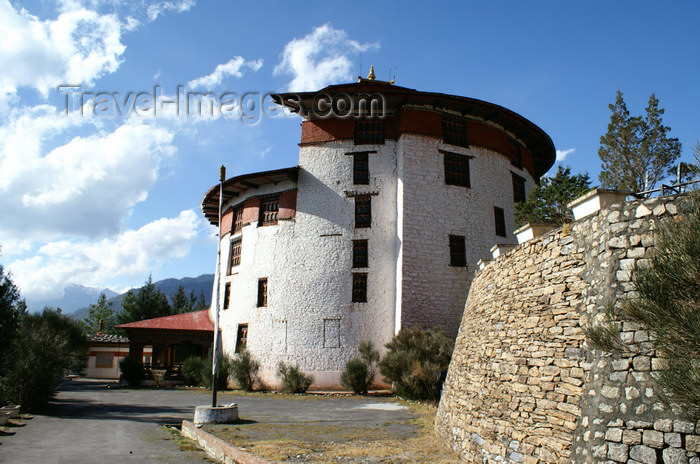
146 303
636 148
180 302
547 201
200 303
101 317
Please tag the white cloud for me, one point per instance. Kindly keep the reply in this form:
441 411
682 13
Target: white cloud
85 186
562 154
320 58
159 8
77 47
222 71
131 254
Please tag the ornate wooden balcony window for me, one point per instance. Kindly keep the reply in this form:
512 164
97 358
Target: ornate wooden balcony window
269 208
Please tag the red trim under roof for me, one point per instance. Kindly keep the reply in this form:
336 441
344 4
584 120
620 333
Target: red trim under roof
198 320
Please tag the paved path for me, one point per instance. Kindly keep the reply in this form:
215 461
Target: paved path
90 423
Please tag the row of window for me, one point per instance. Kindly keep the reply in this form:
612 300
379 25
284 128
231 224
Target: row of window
267 215
371 131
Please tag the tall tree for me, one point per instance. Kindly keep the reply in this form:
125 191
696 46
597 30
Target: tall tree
637 148
547 201
200 303
12 308
147 302
180 302
101 317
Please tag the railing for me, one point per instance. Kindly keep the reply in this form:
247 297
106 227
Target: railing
667 189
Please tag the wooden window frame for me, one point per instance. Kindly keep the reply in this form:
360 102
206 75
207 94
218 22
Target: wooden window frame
454 131
262 293
457 171
227 295
363 219
516 155
360 168
360 253
241 338
269 210
499 215
359 287
100 362
458 250
236 252
369 131
519 194
237 225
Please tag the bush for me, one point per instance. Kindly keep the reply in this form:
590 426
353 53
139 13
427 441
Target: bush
360 372
415 361
46 347
222 373
132 370
293 379
669 304
193 371
244 369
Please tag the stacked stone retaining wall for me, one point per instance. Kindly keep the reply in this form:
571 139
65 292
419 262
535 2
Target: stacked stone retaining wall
525 386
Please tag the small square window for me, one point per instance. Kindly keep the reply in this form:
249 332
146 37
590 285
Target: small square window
262 292
458 253
518 188
227 295
360 168
236 248
359 253
500 220
242 338
453 131
269 208
456 169
369 131
363 211
359 287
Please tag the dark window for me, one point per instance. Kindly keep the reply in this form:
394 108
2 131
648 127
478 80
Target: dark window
227 295
359 288
453 131
242 338
363 211
369 131
104 360
269 207
361 168
237 219
516 157
236 247
500 219
359 253
458 252
456 169
518 188
262 293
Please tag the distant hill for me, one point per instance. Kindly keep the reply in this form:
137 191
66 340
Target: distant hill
202 283
74 297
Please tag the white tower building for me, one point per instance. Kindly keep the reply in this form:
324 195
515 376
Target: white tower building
397 195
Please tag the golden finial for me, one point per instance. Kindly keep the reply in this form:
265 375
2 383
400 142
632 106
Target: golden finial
371 76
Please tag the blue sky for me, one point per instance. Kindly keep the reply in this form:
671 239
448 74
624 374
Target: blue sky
104 200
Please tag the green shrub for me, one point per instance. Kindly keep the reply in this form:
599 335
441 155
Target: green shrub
244 369
46 347
193 370
132 370
414 362
222 373
293 379
360 372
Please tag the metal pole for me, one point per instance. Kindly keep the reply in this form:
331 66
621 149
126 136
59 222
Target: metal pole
215 349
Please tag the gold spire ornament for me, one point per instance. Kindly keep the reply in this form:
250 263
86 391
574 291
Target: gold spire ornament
371 76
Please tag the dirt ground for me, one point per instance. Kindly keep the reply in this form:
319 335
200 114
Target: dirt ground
406 439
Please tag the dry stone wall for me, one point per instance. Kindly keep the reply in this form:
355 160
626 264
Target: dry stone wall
525 386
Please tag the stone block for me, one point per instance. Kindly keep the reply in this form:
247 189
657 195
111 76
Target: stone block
683 426
610 392
663 425
613 434
631 437
673 439
631 393
617 452
692 443
674 456
643 454
653 438
641 363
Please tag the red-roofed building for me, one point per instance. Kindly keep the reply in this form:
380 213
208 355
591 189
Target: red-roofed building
173 338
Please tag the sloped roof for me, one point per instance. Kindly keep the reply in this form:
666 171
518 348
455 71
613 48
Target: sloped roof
197 321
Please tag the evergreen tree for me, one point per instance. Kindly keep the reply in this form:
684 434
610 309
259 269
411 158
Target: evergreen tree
12 309
101 317
147 302
200 303
547 201
180 302
636 148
